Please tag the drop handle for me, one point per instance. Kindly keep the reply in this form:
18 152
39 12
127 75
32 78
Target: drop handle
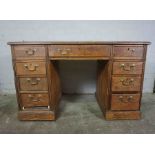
35 99
59 49
31 67
131 49
66 51
30 52
32 81
130 98
62 51
127 68
126 100
127 82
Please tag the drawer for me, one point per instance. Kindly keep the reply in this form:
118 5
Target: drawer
29 51
126 83
30 68
129 52
31 84
79 50
125 101
127 67
35 100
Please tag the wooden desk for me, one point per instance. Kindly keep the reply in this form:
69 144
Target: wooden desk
119 78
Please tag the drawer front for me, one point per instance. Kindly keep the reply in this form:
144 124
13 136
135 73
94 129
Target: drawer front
79 50
125 102
30 68
126 52
126 83
29 51
34 100
35 83
127 67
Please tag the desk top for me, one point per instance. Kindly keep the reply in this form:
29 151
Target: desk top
80 42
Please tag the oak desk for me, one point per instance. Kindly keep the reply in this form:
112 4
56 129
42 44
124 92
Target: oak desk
119 78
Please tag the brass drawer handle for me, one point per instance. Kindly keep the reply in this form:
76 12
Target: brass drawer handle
59 49
30 52
67 49
64 51
35 99
31 67
131 49
128 100
32 81
126 68
127 82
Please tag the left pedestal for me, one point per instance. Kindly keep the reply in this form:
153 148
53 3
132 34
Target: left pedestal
33 82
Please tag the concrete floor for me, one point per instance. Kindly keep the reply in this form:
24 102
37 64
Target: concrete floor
78 114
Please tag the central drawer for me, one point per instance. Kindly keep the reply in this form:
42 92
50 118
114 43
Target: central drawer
79 50
33 84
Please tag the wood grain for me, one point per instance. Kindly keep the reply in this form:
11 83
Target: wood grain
103 84
121 115
36 115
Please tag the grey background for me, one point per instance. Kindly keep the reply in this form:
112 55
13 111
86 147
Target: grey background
77 77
